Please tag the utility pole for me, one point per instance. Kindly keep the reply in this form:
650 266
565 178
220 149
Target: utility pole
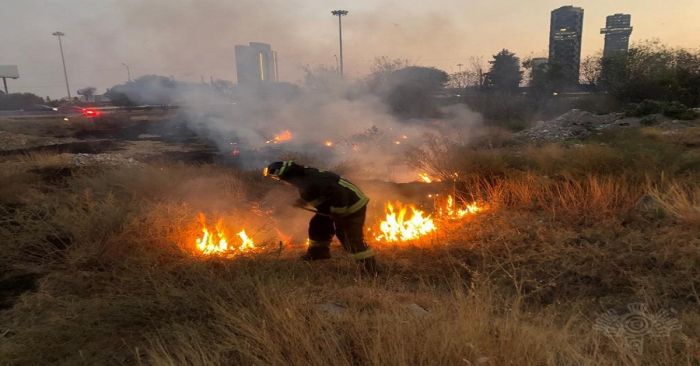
340 14
63 59
128 71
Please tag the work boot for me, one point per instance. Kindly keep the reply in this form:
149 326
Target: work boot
317 253
369 265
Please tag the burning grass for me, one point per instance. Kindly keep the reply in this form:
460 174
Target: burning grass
518 277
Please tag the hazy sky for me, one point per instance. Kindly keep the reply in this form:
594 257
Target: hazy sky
192 38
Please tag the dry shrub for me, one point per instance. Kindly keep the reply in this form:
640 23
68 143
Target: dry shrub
590 198
680 200
43 159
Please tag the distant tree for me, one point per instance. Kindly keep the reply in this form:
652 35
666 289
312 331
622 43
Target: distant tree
411 91
653 71
88 93
322 77
504 74
591 69
380 70
148 89
459 79
539 83
477 70
17 101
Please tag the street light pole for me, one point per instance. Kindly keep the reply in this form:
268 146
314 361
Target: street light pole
63 59
340 14
128 71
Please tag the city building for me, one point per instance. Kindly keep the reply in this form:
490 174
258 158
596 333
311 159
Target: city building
565 30
617 32
255 63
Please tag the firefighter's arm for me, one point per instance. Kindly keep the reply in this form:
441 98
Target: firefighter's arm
312 196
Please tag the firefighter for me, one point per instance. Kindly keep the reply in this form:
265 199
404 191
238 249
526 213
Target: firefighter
340 210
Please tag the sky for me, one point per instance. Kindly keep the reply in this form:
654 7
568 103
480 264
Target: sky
194 39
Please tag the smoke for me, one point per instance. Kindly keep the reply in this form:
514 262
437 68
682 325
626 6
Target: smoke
342 127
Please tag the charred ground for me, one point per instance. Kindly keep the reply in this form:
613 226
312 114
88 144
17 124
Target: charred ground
94 270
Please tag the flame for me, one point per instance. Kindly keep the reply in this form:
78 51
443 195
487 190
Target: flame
451 210
283 136
247 242
328 143
214 242
425 177
408 223
404 222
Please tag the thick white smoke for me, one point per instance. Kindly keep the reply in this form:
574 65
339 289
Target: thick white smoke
343 125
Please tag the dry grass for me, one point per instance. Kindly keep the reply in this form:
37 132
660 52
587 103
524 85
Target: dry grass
682 201
521 284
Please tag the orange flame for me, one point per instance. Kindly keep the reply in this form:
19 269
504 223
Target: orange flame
451 211
408 223
283 136
427 178
214 242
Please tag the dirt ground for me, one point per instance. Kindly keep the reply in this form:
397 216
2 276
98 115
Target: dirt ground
586 253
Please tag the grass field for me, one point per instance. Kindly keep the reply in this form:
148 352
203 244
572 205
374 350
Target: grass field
98 265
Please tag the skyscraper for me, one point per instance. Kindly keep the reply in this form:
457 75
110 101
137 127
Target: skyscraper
255 63
565 30
617 32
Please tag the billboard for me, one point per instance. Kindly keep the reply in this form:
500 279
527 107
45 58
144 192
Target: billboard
9 71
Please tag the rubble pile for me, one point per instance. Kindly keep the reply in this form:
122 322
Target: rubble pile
576 124
104 159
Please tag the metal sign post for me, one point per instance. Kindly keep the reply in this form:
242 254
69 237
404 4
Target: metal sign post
8 71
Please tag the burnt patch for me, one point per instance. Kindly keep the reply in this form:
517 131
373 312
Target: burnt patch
79 147
204 156
55 175
13 285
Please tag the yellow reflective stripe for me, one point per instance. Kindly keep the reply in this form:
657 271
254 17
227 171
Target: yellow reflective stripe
285 165
314 244
343 211
317 202
364 254
362 199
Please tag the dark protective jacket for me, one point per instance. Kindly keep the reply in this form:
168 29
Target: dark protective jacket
326 191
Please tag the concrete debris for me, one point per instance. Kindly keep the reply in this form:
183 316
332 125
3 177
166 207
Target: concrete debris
104 159
577 124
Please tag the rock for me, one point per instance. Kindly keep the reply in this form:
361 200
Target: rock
103 159
649 207
576 124
649 120
416 309
332 308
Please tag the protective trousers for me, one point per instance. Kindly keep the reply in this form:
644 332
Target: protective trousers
349 230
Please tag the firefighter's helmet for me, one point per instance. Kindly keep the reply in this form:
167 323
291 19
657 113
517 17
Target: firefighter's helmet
277 169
